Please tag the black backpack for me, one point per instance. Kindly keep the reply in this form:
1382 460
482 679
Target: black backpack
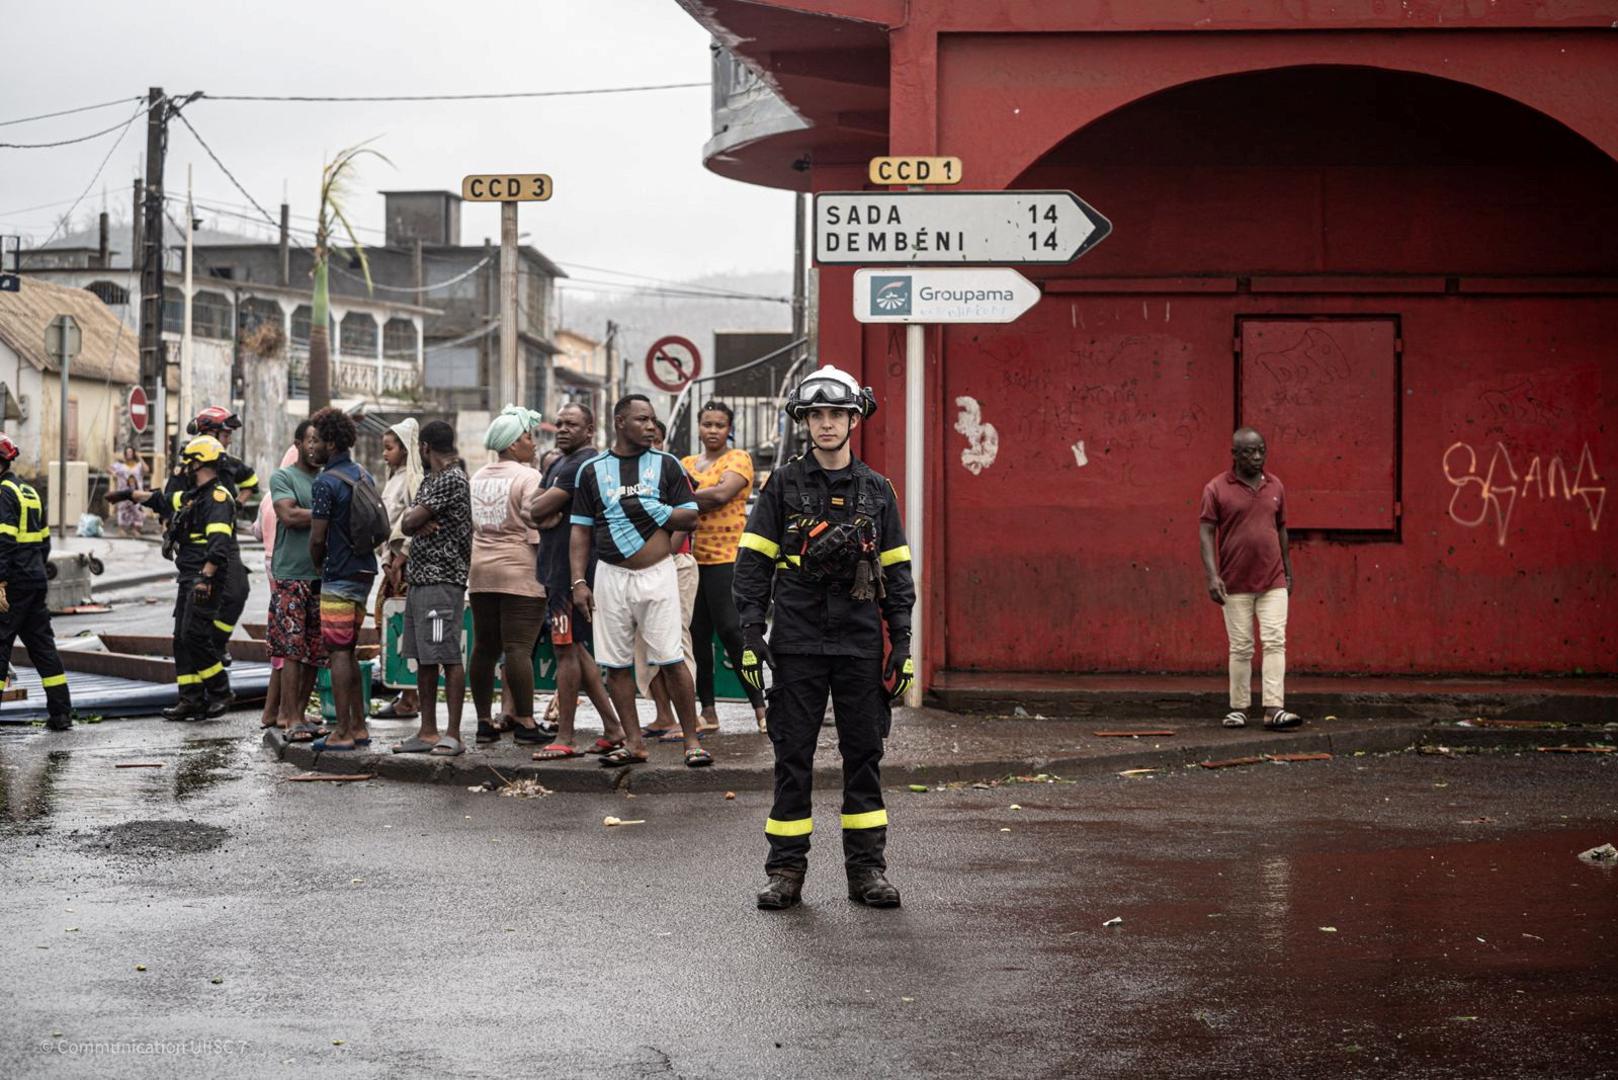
368 524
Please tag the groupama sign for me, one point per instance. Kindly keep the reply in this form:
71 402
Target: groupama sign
988 294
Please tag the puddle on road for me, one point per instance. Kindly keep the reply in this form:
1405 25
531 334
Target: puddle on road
40 784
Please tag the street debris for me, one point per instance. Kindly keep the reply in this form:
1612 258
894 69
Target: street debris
336 778
1478 821
1138 772
730 795
1606 853
1014 806
1574 749
1283 758
610 821
528 788
1521 725
1005 830
1433 750
920 789
1154 733
217 981
1328 929
139 765
1229 763
1116 920
140 967
1328 718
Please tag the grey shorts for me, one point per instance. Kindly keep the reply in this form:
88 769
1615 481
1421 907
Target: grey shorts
432 624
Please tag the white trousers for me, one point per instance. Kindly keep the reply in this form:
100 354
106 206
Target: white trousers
1270 610
633 604
685 570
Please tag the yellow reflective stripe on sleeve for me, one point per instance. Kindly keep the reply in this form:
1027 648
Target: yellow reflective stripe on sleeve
800 827
871 819
176 499
225 626
53 680
187 680
754 542
226 528
210 671
896 555
8 530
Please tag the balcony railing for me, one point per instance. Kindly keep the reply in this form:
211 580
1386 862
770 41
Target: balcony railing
357 378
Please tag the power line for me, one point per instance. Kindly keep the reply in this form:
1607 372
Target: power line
573 284
69 112
67 217
70 142
685 286
454 97
228 174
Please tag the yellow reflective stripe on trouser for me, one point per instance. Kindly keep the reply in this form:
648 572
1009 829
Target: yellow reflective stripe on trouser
220 527
754 542
800 827
187 680
871 819
209 672
225 626
896 555
53 680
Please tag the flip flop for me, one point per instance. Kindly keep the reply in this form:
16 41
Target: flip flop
321 746
447 747
620 757
696 759
414 745
1283 719
650 732
605 746
556 752
522 734
306 732
487 732
390 711
674 735
1235 718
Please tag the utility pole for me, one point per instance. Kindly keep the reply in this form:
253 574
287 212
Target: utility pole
188 405
284 276
510 381
150 254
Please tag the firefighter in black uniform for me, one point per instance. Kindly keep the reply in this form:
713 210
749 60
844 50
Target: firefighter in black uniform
240 480
825 539
212 579
25 549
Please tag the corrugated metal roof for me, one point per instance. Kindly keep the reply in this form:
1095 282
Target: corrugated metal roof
109 349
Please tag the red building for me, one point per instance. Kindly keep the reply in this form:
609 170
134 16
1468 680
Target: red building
1384 232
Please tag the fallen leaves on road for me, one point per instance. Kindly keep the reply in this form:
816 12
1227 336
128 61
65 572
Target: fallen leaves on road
527 788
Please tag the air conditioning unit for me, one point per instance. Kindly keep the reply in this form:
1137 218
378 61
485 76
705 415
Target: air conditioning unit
74 495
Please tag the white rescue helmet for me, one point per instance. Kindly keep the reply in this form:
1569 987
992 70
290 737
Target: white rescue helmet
830 388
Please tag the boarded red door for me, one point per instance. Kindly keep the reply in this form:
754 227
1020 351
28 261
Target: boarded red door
1324 393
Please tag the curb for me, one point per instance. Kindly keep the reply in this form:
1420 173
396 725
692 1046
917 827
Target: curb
587 776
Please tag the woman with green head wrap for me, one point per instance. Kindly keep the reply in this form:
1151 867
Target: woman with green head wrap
508 604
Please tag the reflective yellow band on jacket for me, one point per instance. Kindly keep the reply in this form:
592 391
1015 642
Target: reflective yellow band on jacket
187 680
53 680
225 626
871 819
176 499
790 560
8 530
754 542
210 671
220 527
800 827
896 555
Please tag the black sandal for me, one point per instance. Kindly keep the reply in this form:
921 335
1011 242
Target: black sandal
622 756
522 733
487 732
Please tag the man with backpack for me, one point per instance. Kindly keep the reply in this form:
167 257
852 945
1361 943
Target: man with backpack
348 522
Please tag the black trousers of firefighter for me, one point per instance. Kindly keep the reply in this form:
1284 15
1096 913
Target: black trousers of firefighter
29 621
797 707
199 644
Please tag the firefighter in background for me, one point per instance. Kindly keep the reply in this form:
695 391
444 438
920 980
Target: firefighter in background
220 423
825 540
212 579
25 550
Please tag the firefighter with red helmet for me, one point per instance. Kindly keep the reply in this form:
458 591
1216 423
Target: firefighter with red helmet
212 581
25 551
220 422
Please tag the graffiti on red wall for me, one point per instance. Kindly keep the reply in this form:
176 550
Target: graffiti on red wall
1492 493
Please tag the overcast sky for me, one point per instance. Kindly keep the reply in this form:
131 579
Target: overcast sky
631 191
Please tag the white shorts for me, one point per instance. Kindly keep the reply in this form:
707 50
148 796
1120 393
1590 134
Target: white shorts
685 572
637 602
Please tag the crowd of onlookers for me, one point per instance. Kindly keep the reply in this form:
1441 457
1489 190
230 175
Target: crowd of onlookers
621 557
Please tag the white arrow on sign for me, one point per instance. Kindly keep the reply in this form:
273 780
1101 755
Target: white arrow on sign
918 227
900 294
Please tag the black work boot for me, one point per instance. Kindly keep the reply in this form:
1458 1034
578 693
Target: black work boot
186 709
219 706
784 890
871 888
59 722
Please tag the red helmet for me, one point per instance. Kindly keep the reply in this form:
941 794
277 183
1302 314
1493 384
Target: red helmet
213 418
8 449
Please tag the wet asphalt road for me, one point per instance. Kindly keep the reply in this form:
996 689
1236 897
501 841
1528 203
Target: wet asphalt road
384 930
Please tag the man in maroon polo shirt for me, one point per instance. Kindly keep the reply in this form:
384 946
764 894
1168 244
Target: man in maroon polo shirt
1244 518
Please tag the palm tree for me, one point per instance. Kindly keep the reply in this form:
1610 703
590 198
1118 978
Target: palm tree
334 192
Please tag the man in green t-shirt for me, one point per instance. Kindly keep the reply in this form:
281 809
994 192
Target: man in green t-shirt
294 624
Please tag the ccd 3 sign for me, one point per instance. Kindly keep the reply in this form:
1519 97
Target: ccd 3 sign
506 187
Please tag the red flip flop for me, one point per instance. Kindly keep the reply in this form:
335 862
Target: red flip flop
605 746
556 752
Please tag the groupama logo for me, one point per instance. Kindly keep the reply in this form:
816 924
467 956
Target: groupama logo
890 295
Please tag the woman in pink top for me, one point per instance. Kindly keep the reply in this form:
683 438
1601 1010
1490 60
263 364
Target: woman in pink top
508 604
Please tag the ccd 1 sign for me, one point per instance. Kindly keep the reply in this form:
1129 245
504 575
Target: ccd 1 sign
1017 227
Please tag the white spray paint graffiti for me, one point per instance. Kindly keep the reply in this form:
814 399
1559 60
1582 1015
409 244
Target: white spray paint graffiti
1079 455
983 441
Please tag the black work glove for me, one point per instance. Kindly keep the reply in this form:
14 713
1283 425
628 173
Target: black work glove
202 592
755 654
901 670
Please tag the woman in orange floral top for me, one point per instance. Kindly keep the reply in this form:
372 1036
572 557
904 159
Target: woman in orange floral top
722 477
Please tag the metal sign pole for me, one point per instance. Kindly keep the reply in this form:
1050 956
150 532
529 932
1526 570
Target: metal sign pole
510 385
59 485
915 499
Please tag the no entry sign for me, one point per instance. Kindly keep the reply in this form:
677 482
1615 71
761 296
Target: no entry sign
137 409
672 362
